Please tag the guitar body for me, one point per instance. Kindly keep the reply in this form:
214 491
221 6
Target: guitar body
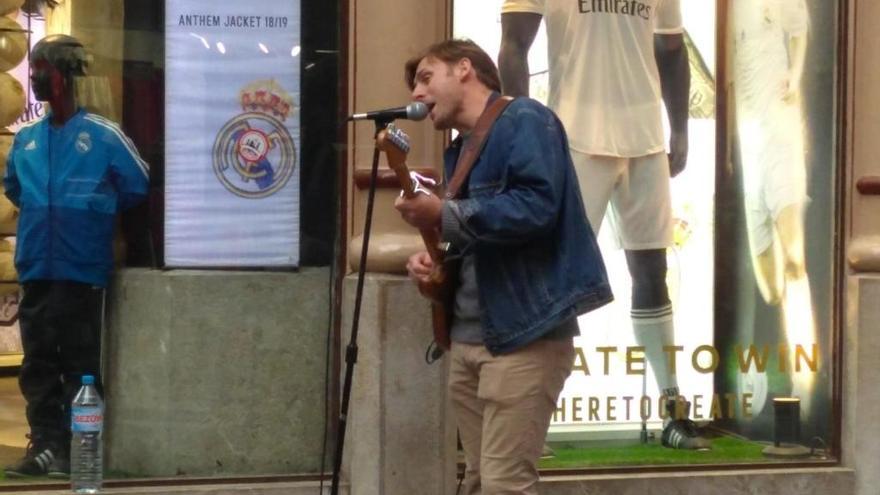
440 290
442 324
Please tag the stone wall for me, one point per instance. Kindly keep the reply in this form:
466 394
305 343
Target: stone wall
216 373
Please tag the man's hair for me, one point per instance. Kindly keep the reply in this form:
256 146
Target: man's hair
451 51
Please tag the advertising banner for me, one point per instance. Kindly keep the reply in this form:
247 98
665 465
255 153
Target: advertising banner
232 133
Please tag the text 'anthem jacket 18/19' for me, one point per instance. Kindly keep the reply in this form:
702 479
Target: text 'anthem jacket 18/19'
69 182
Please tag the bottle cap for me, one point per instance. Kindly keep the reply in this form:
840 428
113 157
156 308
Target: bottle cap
88 380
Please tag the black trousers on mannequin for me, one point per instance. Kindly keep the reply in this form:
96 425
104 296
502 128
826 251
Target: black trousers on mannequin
60 325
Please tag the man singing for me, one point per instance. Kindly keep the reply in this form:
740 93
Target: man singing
529 265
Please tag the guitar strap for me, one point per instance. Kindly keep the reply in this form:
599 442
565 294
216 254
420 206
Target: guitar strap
441 313
473 146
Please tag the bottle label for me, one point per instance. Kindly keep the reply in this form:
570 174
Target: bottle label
87 419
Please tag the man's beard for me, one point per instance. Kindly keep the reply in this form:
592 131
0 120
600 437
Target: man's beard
445 121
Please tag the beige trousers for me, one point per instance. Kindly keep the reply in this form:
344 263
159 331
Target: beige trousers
503 405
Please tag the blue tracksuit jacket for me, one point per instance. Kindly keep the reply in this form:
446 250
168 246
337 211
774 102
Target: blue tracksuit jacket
69 183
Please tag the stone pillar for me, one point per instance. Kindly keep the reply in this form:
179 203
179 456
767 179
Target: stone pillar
861 393
861 404
383 35
400 438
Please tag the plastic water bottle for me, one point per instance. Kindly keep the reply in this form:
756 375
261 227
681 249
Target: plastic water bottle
86 448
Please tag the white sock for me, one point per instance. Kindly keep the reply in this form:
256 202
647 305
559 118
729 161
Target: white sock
653 328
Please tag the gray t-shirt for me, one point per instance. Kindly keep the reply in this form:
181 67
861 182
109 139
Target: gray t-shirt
466 327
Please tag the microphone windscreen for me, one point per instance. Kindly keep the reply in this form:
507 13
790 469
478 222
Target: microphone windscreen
416 111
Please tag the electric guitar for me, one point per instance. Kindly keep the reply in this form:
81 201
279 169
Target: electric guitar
395 143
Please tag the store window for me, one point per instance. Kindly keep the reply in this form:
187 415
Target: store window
751 267
233 106
751 274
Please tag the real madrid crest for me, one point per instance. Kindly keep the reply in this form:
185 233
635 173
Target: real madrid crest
83 142
254 154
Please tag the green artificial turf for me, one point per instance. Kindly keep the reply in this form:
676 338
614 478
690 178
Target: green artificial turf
725 450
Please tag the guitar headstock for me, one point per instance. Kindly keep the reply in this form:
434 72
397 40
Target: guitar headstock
395 143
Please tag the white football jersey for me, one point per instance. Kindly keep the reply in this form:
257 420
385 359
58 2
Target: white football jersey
604 82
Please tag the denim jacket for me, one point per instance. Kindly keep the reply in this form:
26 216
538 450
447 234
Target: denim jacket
521 216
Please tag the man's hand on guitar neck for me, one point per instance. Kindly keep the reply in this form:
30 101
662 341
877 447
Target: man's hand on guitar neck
422 211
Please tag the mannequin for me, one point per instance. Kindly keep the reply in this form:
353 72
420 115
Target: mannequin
70 173
610 66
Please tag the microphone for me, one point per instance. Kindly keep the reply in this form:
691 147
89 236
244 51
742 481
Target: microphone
414 111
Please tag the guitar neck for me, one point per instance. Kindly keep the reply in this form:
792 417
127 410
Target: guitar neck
395 144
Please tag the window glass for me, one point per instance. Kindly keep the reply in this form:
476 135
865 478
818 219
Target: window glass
198 381
747 353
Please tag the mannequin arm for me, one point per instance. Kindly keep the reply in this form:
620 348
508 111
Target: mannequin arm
518 30
675 83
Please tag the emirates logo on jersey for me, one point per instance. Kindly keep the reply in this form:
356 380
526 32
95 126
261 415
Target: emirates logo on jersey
622 7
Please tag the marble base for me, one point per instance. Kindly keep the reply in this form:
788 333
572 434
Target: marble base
861 393
293 488
820 481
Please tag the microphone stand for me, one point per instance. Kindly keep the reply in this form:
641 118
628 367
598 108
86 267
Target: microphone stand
351 351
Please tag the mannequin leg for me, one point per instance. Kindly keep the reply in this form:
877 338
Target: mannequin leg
797 306
654 329
652 312
769 274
